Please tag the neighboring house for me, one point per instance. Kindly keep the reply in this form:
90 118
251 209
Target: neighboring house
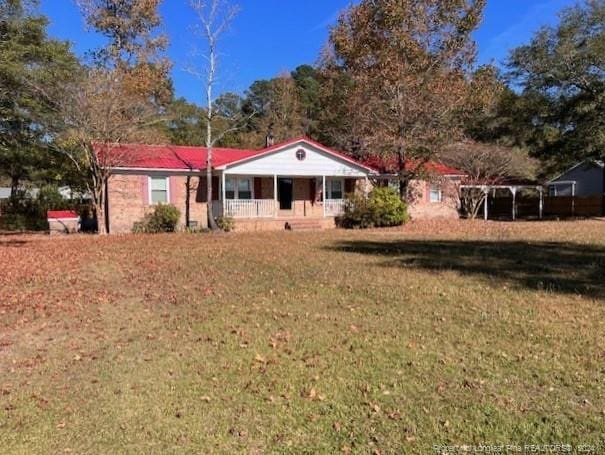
65 191
584 179
294 182
5 193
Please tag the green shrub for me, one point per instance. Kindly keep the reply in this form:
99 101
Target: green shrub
359 213
164 218
49 198
20 222
388 207
383 208
26 213
225 223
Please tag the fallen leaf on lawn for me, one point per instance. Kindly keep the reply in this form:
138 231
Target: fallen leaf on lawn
259 358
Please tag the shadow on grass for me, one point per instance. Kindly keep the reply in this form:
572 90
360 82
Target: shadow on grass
557 267
12 242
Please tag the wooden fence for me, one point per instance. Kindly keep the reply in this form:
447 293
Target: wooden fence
560 206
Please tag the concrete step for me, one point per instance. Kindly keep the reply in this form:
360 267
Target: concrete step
303 225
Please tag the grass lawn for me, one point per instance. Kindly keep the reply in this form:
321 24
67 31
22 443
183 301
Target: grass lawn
356 342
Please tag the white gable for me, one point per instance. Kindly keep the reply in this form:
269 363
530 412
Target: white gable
284 162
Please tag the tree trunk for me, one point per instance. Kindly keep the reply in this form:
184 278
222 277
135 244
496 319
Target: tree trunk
99 209
211 221
603 193
188 202
14 187
403 175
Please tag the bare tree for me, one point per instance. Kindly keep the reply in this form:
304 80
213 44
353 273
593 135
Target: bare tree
100 111
214 18
484 165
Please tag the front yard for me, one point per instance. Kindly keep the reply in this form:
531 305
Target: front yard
390 341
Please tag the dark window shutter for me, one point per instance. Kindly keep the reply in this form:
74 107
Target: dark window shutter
349 186
258 188
215 189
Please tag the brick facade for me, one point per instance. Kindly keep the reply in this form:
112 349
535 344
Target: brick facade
421 206
419 202
128 199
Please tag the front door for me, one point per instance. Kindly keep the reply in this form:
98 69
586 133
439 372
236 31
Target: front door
285 193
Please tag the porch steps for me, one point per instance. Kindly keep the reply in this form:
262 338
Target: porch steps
304 225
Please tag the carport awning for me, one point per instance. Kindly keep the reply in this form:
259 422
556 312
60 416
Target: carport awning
513 188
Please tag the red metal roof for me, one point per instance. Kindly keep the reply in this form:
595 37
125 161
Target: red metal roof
175 157
390 166
61 214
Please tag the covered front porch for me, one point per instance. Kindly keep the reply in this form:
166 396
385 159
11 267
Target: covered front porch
282 197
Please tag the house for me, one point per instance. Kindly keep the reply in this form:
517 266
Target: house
298 181
435 194
582 180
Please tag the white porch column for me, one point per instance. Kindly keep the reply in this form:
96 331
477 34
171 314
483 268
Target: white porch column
541 202
223 193
275 210
513 190
323 193
573 199
485 203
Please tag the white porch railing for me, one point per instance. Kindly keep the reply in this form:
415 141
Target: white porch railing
335 207
250 208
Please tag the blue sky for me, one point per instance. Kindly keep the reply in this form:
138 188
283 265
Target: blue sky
273 36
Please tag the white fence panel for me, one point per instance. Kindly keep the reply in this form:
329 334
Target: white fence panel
335 207
250 208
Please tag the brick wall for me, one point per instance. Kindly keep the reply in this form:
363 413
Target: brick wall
129 201
303 204
421 206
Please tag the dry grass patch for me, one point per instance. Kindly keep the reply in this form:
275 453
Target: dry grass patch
380 341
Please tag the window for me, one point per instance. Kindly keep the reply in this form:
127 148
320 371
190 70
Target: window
158 190
394 185
230 188
238 188
435 193
335 189
244 189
